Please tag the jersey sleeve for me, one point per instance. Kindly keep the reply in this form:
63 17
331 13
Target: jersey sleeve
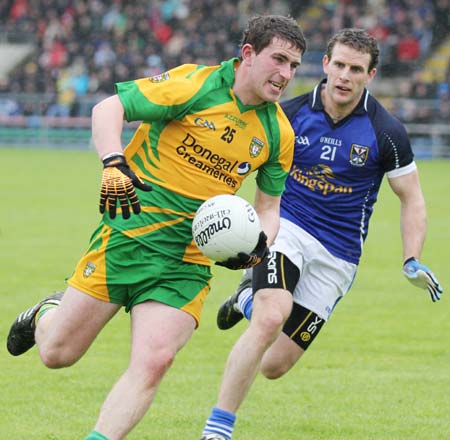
164 96
272 176
394 145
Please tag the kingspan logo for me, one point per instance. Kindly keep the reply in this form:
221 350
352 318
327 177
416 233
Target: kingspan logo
319 178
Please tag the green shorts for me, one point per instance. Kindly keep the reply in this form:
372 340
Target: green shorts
120 270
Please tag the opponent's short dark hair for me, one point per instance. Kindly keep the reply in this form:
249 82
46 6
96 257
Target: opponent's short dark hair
358 39
262 29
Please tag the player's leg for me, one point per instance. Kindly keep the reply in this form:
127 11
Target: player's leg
282 355
166 307
298 333
271 307
324 280
64 333
158 333
63 326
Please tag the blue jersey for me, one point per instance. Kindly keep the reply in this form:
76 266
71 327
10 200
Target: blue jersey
338 169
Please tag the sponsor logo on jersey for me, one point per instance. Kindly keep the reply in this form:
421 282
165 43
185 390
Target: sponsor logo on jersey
302 140
331 141
359 155
244 168
206 160
239 122
256 145
89 269
160 78
318 178
200 122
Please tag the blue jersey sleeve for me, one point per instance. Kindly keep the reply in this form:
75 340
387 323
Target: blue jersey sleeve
394 145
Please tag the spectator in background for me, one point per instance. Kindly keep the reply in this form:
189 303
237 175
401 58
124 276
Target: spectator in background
408 51
185 31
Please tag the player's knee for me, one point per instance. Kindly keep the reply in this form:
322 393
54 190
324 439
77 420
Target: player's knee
156 365
267 326
274 322
269 322
57 357
273 372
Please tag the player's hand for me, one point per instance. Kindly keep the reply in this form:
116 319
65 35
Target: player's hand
118 182
244 260
422 277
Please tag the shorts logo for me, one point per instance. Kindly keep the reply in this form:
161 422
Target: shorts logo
305 336
256 145
313 326
89 269
359 155
160 78
272 273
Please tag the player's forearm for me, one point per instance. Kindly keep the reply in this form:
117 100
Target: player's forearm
107 124
413 222
270 222
268 209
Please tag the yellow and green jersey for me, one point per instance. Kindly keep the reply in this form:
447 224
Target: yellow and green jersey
197 140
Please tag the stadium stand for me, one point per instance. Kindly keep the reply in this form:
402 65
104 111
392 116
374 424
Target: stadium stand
81 48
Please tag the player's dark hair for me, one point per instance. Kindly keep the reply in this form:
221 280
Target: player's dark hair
262 29
358 39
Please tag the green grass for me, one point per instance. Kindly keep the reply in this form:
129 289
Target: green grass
378 371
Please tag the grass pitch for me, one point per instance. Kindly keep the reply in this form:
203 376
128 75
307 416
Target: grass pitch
379 370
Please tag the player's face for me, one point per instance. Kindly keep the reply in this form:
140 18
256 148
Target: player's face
269 71
347 76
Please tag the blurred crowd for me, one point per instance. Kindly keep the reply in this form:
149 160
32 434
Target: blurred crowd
84 46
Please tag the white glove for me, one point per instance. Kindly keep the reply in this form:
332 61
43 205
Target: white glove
422 277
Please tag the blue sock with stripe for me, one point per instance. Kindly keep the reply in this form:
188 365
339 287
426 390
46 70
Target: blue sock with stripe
220 422
245 302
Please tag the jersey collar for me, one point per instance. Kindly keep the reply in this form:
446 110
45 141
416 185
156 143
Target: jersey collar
315 100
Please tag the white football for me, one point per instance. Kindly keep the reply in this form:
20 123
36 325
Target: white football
225 225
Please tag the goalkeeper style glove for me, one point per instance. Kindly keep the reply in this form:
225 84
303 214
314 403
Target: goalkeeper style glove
244 260
118 182
422 277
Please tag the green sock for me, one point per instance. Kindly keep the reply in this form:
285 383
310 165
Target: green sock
45 308
94 435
